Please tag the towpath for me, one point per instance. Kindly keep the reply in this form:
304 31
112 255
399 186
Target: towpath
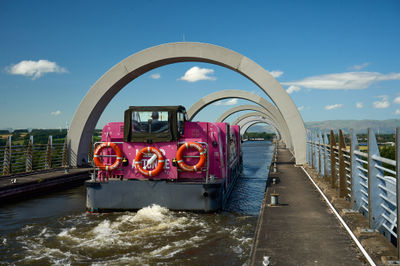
302 230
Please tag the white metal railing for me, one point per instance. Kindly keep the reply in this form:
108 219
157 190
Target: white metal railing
16 159
366 179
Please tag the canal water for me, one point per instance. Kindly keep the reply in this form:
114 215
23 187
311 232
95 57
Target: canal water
56 229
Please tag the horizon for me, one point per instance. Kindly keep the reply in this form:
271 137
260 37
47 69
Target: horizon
337 60
255 125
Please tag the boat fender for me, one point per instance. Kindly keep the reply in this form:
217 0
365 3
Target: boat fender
157 154
100 164
191 168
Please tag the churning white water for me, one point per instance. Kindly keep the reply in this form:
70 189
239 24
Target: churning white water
55 229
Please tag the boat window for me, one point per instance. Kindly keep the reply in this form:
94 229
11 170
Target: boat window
149 121
181 124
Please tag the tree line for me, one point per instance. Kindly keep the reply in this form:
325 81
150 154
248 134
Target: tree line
40 136
258 135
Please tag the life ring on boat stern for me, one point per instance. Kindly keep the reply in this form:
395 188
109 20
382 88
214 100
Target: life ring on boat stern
156 154
183 148
101 165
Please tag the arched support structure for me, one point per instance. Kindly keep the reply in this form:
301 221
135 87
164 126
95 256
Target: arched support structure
252 114
103 91
245 124
225 94
285 137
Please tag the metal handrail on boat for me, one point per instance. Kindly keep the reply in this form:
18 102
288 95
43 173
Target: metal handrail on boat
179 143
195 156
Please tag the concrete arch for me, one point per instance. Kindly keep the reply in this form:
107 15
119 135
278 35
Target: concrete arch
268 107
258 109
246 123
252 114
250 121
102 92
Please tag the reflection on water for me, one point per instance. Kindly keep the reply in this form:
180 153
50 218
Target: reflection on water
55 229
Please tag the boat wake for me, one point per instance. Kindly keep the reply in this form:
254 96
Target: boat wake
152 235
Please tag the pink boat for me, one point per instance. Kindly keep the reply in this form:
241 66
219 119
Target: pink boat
158 157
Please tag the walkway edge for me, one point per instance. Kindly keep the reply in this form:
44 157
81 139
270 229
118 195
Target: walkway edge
361 248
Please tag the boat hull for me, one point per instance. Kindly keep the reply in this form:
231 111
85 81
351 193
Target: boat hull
116 195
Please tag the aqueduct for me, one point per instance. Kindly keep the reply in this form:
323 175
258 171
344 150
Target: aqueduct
240 108
102 92
225 94
247 115
246 123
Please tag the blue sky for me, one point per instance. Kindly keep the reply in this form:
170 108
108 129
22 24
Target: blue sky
338 59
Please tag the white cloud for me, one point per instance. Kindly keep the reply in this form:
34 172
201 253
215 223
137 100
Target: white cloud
347 80
228 102
35 68
359 105
195 74
56 113
155 76
397 100
333 106
292 89
397 112
383 103
276 73
300 108
359 67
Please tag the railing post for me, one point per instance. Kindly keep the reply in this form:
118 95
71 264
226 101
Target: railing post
356 187
326 143
398 189
374 200
7 158
48 153
342 169
319 153
315 151
323 162
312 150
65 154
333 161
308 146
29 155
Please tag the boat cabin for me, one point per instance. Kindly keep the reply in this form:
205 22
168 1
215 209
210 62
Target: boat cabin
154 123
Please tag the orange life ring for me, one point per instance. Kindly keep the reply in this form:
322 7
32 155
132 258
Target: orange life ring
183 148
139 157
97 156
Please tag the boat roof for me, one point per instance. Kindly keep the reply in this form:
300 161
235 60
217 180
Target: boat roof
158 108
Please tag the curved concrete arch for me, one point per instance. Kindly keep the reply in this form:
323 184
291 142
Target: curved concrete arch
225 94
246 123
252 114
250 121
102 92
240 108
247 107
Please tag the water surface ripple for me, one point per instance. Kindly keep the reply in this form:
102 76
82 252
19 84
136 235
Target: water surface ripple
56 229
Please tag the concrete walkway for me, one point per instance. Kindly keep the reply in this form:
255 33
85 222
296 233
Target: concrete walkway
302 230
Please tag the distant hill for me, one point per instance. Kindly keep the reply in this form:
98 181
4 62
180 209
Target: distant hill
360 126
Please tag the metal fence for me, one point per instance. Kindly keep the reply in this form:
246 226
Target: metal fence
366 179
33 157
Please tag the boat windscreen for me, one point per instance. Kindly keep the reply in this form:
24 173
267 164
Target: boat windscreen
153 123
149 122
